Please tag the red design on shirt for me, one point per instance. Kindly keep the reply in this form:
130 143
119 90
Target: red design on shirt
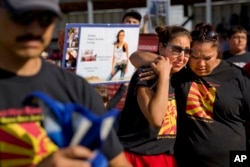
168 128
200 101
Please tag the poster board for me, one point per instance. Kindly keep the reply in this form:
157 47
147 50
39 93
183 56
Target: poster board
95 46
158 14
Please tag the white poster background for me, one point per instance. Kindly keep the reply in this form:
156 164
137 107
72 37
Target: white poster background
98 41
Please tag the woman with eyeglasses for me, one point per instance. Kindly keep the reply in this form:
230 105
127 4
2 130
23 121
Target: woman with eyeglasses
213 103
147 127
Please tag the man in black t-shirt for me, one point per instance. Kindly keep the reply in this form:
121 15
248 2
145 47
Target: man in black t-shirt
237 40
26 29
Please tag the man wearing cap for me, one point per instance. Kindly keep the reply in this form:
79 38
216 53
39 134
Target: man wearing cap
131 17
25 31
134 17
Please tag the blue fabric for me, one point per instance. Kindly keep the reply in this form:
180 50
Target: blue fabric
62 122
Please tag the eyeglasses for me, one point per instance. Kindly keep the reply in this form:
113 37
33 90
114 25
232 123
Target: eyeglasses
176 50
44 18
239 37
210 36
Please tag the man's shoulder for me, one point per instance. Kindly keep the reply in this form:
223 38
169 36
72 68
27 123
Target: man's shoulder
54 69
62 75
248 53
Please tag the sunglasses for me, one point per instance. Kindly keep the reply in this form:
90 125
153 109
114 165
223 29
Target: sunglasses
177 50
43 18
210 36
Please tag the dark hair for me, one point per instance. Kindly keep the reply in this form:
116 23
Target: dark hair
167 33
132 13
117 36
235 29
205 32
117 40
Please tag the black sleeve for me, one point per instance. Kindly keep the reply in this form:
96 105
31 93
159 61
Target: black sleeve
117 97
246 98
112 146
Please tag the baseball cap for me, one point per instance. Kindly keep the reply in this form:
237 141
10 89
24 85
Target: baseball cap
133 13
22 6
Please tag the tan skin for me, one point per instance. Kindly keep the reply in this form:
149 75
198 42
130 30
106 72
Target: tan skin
238 43
139 58
130 20
204 58
153 103
71 156
23 58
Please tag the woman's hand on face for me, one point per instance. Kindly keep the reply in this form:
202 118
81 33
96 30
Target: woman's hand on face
151 73
147 74
162 66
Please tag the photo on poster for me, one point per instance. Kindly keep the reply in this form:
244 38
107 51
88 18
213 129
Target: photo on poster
73 37
102 51
71 57
71 46
157 10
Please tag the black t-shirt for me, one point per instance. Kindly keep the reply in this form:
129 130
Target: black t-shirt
212 112
135 132
239 60
27 134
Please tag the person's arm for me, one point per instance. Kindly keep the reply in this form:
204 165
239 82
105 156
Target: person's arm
117 97
75 156
152 103
141 58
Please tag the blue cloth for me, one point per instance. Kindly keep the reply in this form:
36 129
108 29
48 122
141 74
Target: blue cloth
73 124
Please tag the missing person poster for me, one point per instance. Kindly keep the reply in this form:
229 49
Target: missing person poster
100 52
